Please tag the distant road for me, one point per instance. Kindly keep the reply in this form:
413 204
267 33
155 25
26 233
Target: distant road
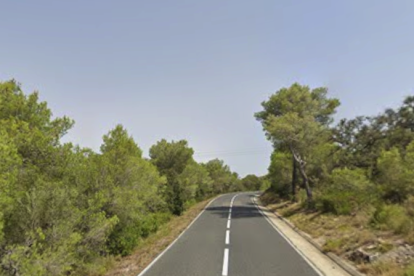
231 238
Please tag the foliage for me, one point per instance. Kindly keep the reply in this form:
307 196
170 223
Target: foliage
296 120
360 162
395 174
171 159
251 182
265 183
64 209
223 179
195 182
346 192
393 217
280 173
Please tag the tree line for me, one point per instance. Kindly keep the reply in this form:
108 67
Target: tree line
64 208
365 163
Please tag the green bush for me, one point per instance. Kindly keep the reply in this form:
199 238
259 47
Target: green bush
280 173
392 217
338 203
346 191
394 176
124 238
152 223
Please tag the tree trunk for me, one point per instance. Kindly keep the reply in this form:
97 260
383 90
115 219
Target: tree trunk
302 165
294 178
306 181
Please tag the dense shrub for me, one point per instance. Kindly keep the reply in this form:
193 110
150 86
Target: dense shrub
64 209
280 173
392 217
346 192
394 176
252 183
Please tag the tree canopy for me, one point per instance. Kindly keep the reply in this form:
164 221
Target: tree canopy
296 119
359 162
64 208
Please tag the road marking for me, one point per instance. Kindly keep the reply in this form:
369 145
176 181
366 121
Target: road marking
228 237
226 250
226 262
231 205
311 264
182 233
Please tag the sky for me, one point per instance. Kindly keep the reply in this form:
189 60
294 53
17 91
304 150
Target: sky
198 70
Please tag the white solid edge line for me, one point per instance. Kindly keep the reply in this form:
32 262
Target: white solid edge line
179 236
228 223
225 262
311 264
227 236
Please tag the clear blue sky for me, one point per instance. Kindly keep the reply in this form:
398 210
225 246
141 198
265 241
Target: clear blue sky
198 70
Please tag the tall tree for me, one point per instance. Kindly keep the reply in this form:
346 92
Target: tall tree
223 179
195 182
171 159
296 119
128 185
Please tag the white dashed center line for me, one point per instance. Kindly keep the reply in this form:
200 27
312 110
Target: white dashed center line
226 262
227 242
227 237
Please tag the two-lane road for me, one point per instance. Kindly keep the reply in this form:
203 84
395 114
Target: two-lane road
231 237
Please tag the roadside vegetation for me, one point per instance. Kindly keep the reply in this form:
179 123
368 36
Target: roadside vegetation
67 210
153 245
349 185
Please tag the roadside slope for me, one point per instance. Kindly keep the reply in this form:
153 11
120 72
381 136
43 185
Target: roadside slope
350 237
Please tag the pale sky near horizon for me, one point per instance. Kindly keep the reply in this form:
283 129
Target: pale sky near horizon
198 70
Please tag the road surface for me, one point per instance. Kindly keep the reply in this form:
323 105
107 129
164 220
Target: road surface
232 238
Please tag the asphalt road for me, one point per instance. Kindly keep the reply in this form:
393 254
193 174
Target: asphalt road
244 245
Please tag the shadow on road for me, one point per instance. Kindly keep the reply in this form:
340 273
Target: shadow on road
249 210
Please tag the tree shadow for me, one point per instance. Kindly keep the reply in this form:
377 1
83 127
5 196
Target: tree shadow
249 210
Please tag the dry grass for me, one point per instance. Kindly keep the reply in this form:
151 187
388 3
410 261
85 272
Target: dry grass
342 234
382 269
338 234
152 246
270 197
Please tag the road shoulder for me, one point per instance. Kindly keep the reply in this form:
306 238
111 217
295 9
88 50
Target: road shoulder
324 264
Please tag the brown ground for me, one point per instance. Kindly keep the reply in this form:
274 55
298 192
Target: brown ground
152 246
